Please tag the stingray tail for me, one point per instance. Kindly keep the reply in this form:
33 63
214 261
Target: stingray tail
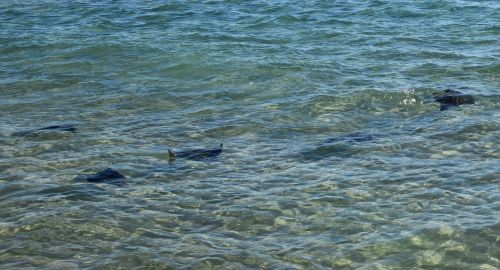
171 155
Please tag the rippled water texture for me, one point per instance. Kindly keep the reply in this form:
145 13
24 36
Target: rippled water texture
335 154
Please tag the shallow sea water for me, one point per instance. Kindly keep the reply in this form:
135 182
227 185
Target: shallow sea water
272 80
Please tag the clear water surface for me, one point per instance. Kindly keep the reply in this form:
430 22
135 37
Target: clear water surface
272 80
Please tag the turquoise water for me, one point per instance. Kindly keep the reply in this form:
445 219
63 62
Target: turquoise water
272 80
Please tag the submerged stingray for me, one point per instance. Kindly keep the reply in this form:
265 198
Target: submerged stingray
195 154
66 127
352 137
108 176
343 146
451 98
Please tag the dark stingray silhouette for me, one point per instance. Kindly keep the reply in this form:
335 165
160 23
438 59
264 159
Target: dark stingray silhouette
108 176
55 128
352 137
68 127
450 98
196 154
343 145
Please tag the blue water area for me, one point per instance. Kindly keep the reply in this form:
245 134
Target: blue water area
336 154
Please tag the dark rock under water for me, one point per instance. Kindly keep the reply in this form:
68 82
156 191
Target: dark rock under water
196 154
451 98
108 176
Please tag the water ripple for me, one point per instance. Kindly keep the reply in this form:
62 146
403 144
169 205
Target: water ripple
287 87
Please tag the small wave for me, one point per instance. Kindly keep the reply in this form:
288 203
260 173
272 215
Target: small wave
404 13
175 6
235 38
369 100
441 55
282 20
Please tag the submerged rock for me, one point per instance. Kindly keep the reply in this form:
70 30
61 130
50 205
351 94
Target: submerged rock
196 154
108 176
449 98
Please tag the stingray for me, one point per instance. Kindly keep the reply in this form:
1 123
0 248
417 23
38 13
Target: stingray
343 145
451 98
67 127
195 154
56 128
356 137
108 176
